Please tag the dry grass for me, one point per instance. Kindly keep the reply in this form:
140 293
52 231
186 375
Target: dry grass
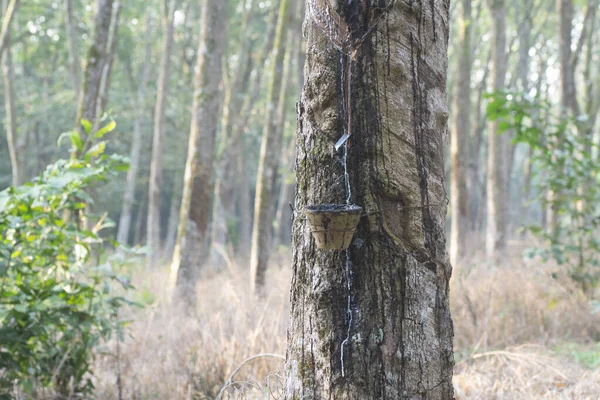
172 355
510 323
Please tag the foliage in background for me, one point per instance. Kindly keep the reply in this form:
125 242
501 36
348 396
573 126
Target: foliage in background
565 166
56 301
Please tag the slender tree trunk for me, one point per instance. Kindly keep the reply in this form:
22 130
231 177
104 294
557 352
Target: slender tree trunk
10 10
108 63
155 181
497 184
269 158
94 66
16 158
283 218
136 145
523 77
191 248
228 188
244 203
171 237
282 224
460 134
476 184
384 302
138 232
564 9
240 165
72 38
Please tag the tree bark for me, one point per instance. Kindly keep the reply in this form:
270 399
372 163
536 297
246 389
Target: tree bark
155 180
191 248
498 145
386 298
108 63
460 133
16 158
476 184
72 38
244 201
269 157
136 145
9 14
228 186
282 226
94 66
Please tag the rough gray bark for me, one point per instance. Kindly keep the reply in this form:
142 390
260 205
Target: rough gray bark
400 329
459 139
498 145
269 157
155 180
136 146
191 248
72 39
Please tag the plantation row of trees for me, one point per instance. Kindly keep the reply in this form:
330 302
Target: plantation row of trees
202 96
192 106
204 112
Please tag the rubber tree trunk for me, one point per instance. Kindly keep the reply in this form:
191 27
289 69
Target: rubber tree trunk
498 144
10 10
460 134
282 226
270 152
89 94
191 248
244 201
136 145
397 328
225 227
155 181
111 48
14 150
75 65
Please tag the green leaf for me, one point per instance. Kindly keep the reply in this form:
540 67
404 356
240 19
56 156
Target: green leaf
95 151
74 137
106 129
87 125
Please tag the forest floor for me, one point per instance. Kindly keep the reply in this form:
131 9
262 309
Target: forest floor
521 332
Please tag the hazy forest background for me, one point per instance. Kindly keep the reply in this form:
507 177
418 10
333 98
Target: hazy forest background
185 255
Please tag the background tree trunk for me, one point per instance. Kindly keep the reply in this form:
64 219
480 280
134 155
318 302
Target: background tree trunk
155 181
72 38
387 296
498 145
244 201
269 157
461 131
111 48
94 65
10 9
136 145
16 158
228 188
191 248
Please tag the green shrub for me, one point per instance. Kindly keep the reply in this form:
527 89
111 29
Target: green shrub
563 156
55 293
